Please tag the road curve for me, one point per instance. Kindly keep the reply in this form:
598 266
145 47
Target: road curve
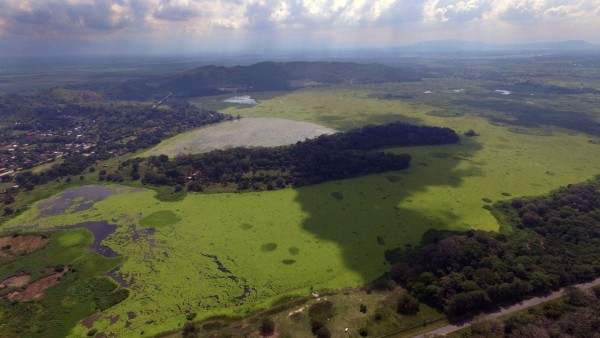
505 310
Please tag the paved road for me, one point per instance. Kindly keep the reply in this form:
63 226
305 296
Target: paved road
506 310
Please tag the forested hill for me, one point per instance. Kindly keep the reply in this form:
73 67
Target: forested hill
266 76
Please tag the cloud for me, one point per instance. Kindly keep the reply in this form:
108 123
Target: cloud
72 17
174 10
447 10
393 21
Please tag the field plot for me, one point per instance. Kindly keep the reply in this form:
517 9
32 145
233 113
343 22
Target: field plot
246 132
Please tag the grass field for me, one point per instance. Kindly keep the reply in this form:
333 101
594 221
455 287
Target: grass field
214 254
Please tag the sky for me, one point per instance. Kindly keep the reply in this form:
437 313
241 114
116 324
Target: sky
39 27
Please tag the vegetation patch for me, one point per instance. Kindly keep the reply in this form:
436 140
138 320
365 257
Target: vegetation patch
288 261
268 247
531 131
444 113
246 226
337 195
159 219
393 178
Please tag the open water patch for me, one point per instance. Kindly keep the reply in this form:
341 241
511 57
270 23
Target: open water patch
78 199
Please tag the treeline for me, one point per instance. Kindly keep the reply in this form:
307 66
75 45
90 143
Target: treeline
555 243
71 166
578 315
328 157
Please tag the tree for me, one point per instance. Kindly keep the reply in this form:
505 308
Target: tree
408 305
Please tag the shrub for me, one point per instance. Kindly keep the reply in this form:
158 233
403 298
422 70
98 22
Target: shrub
408 305
323 332
267 327
190 330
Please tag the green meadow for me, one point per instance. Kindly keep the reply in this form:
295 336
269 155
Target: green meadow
231 254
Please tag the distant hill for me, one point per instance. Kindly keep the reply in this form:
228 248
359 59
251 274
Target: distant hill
441 46
265 76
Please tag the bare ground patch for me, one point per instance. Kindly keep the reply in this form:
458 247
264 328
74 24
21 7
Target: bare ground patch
37 290
13 246
16 281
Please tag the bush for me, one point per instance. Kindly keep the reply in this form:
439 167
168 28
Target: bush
408 305
190 330
267 327
315 326
8 211
321 311
323 332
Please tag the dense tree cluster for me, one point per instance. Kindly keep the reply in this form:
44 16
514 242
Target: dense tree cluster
328 157
555 243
